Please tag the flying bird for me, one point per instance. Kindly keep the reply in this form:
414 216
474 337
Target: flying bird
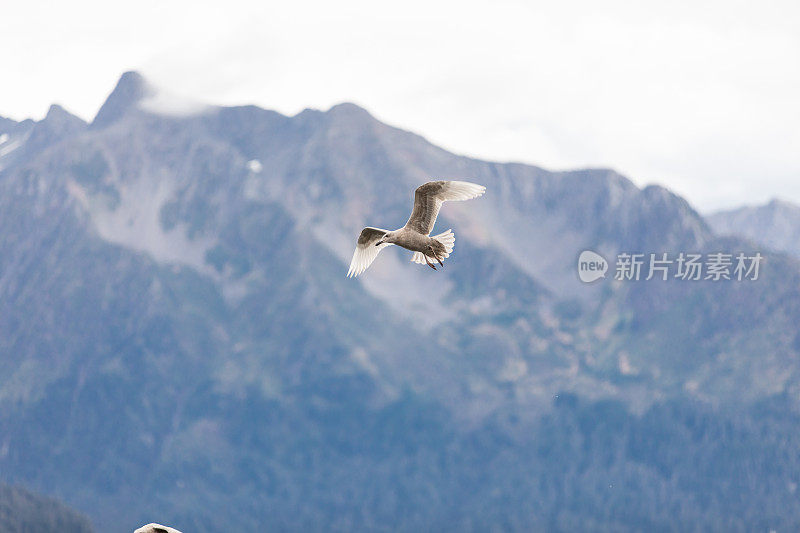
415 235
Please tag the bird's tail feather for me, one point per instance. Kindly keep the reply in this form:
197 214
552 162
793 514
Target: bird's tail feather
448 239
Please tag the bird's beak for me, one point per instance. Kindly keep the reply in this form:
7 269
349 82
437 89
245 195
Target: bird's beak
378 243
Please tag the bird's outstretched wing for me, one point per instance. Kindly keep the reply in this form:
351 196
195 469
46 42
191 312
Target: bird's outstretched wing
366 251
428 200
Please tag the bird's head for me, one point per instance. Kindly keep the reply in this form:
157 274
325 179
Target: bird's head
388 237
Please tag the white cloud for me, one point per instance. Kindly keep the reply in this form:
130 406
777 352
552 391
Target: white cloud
700 96
170 104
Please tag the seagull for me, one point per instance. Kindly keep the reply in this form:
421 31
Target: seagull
156 528
415 235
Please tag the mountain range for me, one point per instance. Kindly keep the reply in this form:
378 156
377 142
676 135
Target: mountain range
179 342
775 224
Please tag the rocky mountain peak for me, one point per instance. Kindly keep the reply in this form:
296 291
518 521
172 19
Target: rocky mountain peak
57 116
348 107
775 224
129 91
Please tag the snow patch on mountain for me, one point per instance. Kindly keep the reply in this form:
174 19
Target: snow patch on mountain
8 147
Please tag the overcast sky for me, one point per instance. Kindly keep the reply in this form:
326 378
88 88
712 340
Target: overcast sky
699 96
